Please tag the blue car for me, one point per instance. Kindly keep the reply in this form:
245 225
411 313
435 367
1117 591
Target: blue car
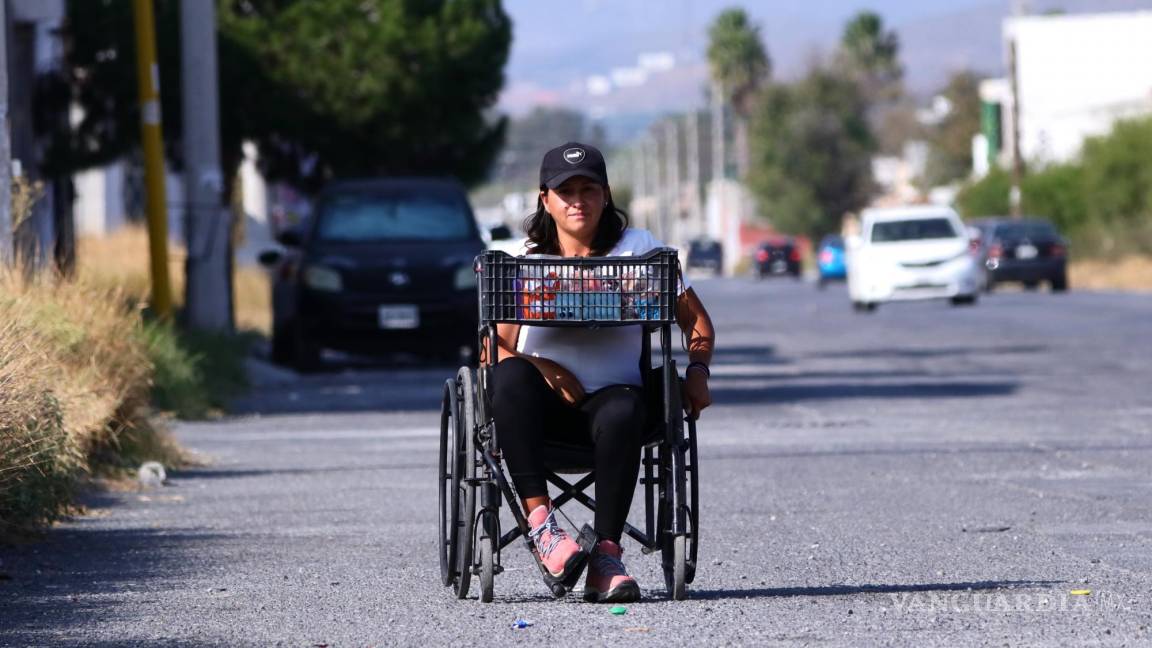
830 260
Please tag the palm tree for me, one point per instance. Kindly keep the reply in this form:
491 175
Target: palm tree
740 66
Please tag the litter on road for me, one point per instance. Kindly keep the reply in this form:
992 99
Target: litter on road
618 610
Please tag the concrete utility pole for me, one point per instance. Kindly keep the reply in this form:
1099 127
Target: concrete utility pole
6 248
1018 9
672 214
148 82
207 223
718 153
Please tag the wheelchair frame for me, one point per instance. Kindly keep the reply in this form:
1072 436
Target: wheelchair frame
470 464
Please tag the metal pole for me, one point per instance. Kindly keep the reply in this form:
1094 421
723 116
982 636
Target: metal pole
207 223
6 249
1017 166
148 82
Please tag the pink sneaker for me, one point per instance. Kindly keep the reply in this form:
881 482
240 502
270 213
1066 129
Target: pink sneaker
558 551
607 581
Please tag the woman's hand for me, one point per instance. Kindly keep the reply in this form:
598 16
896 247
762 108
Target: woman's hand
695 391
563 382
697 325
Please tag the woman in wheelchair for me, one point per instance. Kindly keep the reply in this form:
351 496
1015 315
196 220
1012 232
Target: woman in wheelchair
580 386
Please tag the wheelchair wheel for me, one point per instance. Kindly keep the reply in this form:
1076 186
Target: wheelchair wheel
464 476
675 575
694 503
489 536
449 485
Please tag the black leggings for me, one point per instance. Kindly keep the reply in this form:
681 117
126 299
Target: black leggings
611 420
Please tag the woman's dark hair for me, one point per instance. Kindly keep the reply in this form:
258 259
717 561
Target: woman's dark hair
542 237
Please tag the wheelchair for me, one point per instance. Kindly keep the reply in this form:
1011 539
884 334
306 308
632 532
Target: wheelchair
577 292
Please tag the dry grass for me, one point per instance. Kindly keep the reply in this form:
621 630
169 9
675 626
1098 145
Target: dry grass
1129 273
75 378
121 260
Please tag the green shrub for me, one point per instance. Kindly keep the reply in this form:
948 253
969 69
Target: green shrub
985 197
194 372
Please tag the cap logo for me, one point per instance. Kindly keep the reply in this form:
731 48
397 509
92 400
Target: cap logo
574 155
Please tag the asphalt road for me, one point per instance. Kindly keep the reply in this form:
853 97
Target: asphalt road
924 475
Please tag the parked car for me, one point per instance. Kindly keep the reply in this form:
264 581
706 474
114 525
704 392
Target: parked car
382 265
911 253
777 256
830 260
1027 250
706 254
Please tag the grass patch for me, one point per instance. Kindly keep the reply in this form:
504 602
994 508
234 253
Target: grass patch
85 376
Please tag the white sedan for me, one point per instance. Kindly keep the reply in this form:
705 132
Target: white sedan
911 253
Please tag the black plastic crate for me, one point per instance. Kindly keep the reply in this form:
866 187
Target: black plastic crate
578 291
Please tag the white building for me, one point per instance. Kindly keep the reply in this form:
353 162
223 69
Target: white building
1076 76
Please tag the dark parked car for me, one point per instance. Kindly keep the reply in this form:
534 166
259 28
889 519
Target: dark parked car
1027 250
777 256
706 254
383 265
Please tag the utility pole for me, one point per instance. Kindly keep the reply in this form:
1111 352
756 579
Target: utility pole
6 248
718 155
692 160
207 223
1014 80
671 215
148 82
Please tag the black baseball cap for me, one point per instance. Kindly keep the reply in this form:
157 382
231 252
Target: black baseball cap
570 160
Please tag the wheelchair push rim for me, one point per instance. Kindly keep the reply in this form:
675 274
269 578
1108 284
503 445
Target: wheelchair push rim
465 475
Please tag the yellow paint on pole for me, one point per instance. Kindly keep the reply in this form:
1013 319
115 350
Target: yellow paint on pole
148 82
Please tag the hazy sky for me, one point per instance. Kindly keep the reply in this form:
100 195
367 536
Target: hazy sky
557 46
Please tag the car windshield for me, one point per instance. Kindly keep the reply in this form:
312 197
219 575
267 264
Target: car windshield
704 246
913 230
398 215
1025 230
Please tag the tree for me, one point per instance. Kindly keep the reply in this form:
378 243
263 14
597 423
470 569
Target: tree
950 155
326 89
811 153
737 58
739 66
871 54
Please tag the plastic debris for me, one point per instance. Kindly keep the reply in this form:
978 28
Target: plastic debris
520 624
637 629
618 610
1080 592
151 474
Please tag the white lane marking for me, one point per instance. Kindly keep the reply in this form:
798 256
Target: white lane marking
317 435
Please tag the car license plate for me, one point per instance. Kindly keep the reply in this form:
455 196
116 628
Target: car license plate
399 316
779 266
1026 251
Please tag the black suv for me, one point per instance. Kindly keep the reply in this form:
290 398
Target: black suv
706 254
382 265
1028 250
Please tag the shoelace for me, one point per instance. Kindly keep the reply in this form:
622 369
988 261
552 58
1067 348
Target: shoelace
608 564
556 534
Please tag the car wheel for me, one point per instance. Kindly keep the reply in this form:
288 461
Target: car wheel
1031 285
989 285
305 351
281 344
863 307
964 300
1059 283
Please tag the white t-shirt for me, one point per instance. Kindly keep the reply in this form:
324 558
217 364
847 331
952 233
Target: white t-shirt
598 357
